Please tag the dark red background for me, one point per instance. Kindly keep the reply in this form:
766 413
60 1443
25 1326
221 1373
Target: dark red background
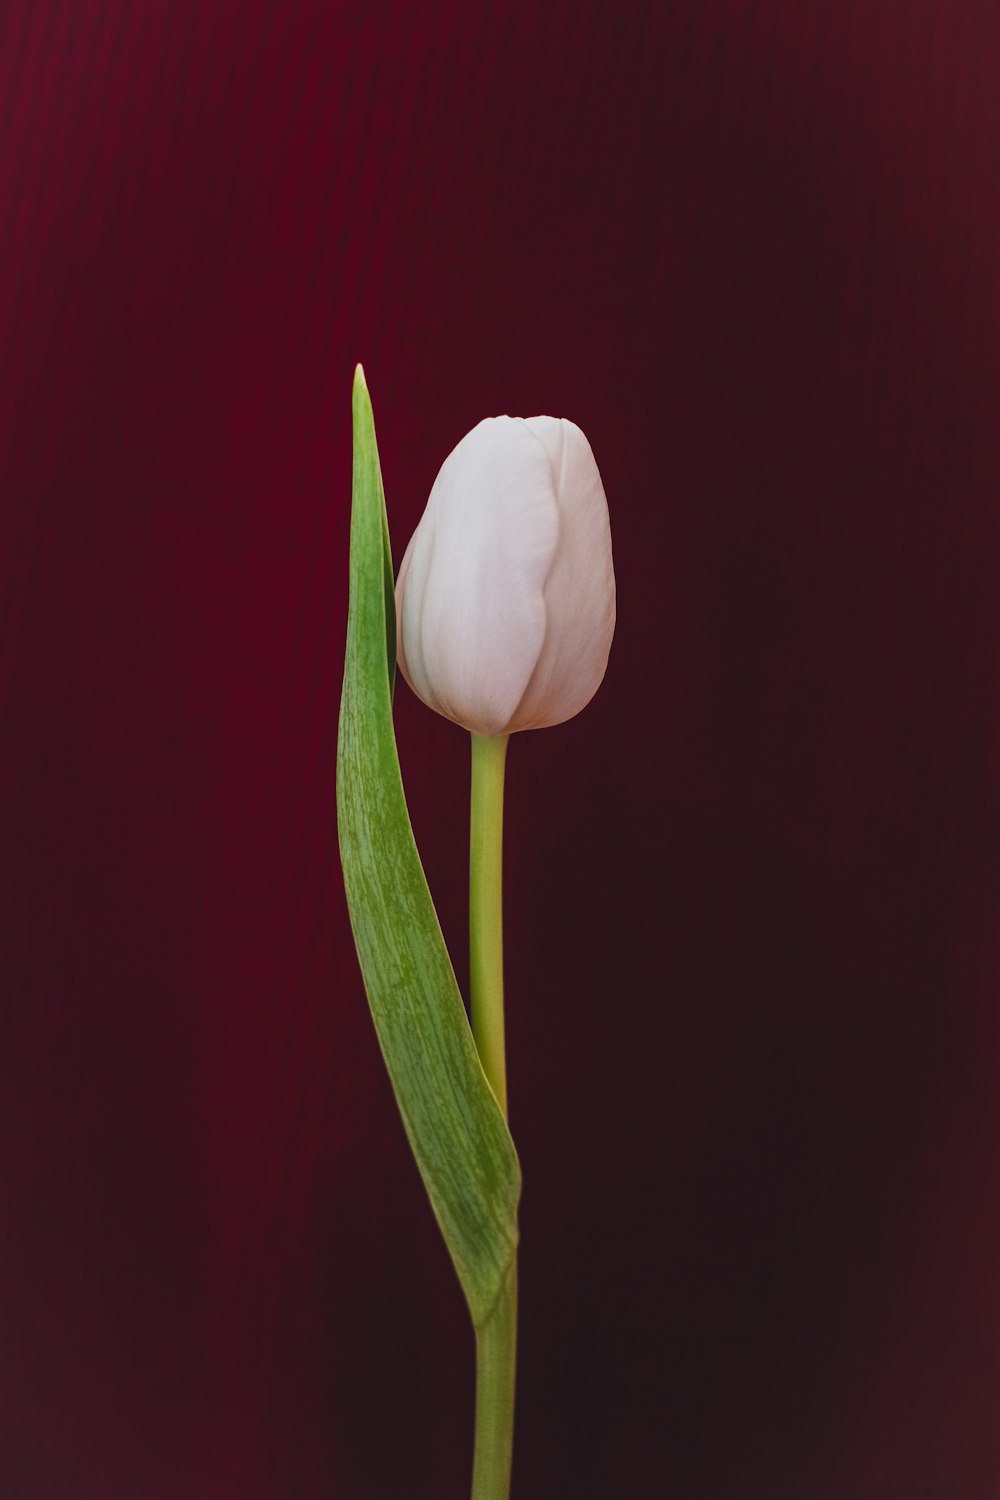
753 955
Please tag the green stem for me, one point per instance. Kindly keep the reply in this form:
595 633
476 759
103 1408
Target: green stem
496 1349
486 908
496 1339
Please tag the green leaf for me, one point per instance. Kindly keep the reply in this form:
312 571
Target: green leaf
455 1127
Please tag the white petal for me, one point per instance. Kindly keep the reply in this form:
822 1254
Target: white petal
580 589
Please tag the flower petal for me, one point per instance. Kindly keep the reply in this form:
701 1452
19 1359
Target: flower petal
580 589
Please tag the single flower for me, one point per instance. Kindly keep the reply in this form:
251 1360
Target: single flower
505 600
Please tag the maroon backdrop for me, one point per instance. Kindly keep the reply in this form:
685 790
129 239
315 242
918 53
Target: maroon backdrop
752 892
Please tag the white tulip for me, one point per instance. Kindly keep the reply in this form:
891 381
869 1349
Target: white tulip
505 601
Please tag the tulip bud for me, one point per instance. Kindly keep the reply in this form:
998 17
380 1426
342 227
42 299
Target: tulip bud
505 600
